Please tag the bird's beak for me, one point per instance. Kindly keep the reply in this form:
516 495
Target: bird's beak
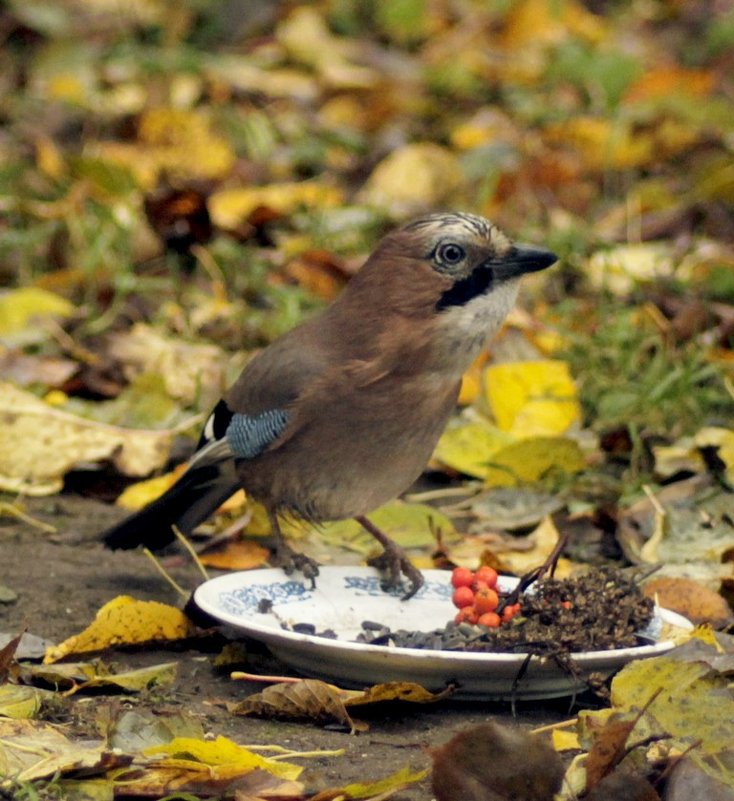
521 259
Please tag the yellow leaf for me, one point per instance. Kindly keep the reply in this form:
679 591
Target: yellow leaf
221 753
411 525
544 539
124 621
603 144
189 370
49 159
229 207
171 141
236 556
549 21
565 740
415 177
406 691
140 494
723 439
35 463
471 382
619 269
532 398
385 787
531 459
469 447
21 307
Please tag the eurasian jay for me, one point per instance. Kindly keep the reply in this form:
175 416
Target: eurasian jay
342 413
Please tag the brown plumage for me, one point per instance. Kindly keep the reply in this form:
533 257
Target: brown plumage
342 413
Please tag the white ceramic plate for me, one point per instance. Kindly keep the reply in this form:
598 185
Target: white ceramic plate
345 596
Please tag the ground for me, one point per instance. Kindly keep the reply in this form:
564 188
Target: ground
62 580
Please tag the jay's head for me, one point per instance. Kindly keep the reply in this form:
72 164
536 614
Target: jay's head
449 263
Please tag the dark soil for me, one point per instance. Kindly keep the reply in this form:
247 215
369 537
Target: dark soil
61 581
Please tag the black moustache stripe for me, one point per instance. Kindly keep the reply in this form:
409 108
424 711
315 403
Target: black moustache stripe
462 291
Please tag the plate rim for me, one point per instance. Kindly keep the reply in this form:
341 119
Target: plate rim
267 633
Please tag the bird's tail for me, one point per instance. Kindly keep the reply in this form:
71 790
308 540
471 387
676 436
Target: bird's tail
194 497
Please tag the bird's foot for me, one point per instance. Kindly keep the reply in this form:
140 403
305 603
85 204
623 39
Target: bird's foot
290 561
393 561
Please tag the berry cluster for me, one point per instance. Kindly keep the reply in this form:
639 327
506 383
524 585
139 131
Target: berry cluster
476 597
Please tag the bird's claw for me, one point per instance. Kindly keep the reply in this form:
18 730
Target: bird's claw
290 561
394 561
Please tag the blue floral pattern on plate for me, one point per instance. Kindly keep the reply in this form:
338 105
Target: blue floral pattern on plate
245 600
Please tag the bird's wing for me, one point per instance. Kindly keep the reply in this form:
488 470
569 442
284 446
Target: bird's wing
255 413
233 435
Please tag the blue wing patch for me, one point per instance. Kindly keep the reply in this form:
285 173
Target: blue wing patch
248 436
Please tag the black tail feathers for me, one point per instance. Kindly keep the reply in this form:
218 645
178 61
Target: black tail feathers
187 503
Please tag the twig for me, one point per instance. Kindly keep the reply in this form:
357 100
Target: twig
166 575
192 553
12 510
241 675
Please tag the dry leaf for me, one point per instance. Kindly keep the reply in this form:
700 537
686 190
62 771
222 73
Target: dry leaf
221 756
410 180
41 444
230 207
535 398
31 750
190 372
125 621
693 600
236 555
308 699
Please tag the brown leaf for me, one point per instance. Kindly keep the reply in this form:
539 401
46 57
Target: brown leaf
690 598
491 762
7 657
308 699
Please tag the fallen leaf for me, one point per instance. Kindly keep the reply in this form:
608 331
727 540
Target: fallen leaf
221 756
236 555
693 600
140 494
533 459
309 699
410 525
190 372
468 446
412 179
36 464
23 310
20 702
32 750
125 621
534 398
230 207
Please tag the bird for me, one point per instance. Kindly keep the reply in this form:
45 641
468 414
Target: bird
342 413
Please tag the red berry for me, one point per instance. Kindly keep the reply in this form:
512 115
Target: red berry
487 574
567 604
489 619
463 596
462 577
466 615
509 612
485 600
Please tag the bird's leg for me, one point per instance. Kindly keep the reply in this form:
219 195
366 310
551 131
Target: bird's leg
393 559
289 559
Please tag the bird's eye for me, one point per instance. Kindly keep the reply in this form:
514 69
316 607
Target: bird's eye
450 253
